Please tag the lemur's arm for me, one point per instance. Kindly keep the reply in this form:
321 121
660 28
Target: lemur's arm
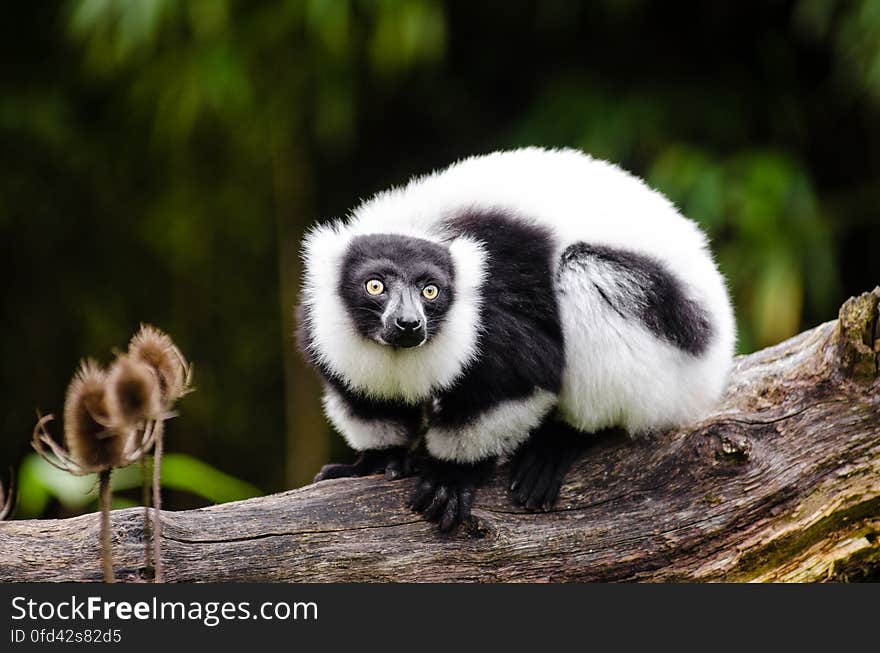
512 386
470 429
381 431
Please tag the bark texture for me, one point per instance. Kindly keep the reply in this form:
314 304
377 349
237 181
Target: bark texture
781 483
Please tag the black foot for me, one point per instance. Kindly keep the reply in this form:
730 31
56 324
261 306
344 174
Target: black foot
539 467
394 462
445 492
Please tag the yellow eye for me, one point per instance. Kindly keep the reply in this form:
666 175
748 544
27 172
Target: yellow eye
430 292
374 287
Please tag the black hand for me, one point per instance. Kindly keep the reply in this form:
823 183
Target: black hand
394 462
445 492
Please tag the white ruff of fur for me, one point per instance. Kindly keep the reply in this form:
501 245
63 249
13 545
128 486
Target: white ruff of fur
376 370
497 432
360 433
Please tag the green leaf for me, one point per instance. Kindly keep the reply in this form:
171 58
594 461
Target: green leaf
39 483
182 472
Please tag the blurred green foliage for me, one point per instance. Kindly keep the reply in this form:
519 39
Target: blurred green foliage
772 243
162 158
39 483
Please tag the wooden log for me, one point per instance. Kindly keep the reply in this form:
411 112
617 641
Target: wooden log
781 483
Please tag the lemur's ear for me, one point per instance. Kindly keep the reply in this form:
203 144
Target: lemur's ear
323 250
469 261
325 242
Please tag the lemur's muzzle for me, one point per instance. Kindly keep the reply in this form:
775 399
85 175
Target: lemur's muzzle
405 323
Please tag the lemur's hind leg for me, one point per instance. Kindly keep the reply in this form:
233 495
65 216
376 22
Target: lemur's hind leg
394 462
539 466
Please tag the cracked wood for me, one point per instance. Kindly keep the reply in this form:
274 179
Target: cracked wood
782 482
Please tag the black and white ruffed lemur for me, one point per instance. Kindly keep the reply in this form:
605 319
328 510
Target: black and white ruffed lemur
508 306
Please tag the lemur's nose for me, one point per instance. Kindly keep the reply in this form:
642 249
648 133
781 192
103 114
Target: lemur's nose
408 324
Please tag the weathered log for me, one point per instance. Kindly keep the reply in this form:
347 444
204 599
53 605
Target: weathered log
782 482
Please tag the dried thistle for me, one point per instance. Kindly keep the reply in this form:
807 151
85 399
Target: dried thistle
93 443
7 497
156 349
132 393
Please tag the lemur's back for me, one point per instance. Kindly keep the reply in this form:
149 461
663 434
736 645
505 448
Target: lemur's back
623 253
580 198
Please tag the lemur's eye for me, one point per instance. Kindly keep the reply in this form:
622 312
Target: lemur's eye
374 287
430 292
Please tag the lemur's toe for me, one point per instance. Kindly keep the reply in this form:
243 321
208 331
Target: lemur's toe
438 504
335 470
526 482
423 495
399 466
538 495
452 514
552 494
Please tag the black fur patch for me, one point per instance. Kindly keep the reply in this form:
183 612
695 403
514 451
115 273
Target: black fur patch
385 410
399 262
520 342
646 290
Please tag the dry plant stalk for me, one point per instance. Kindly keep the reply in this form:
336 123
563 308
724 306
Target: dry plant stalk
7 497
155 349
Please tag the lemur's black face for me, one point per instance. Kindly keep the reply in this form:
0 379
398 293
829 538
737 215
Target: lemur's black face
397 289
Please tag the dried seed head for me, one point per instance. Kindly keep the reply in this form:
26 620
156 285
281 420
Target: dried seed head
89 441
157 350
132 393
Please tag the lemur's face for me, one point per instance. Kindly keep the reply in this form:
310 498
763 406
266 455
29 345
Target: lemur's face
397 289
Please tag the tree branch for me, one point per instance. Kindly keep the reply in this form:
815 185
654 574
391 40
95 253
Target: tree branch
782 482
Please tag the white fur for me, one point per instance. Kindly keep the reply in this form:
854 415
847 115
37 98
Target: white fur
497 432
360 433
617 373
377 370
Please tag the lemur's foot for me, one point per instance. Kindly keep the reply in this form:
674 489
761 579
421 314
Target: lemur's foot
394 462
445 492
539 467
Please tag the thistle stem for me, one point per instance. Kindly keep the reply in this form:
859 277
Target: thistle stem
145 498
104 499
157 508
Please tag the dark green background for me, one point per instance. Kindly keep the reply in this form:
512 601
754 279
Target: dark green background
161 159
